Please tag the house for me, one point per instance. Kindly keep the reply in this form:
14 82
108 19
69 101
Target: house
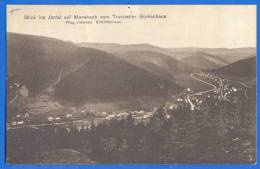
85 127
179 100
57 118
102 114
68 129
23 91
26 115
14 123
83 111
68 115
79 128
109 117
20 122
50 118
234 89
141 112
192 108
49 91
173 106
168 116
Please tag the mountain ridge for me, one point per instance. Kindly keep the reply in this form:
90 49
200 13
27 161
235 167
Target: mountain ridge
241 68
37 62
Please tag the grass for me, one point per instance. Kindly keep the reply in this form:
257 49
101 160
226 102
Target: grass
186 81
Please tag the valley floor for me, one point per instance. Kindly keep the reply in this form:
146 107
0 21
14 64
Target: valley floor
209 104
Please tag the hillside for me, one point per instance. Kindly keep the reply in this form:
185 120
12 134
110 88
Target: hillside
229 54
204 61
166 63
241 68
86 73
37 61
224 55
145 54
232 55
107 77
119 48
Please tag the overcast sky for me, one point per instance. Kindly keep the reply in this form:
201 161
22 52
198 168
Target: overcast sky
228 26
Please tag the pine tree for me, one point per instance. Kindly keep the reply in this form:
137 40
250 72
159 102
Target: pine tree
180 137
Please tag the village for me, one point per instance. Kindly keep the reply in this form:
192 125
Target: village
222 89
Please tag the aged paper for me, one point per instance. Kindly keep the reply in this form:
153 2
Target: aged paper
131 84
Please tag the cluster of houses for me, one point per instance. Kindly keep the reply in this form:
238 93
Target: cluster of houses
84 124
20 119
84 119
226 90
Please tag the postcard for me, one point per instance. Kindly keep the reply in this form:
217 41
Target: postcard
131 84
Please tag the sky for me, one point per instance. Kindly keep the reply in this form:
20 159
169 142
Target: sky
210 26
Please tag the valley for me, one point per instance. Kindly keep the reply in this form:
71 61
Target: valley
100 93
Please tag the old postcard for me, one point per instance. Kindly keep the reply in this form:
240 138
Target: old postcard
149 84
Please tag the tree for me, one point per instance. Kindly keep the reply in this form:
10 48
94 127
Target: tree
180 137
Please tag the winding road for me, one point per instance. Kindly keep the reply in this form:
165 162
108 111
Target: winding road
199 93
212 89
202 92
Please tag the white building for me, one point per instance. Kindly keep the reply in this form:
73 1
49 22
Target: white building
57 118
20 122
68 115
50 118
234 89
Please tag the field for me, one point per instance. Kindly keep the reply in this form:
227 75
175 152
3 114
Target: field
186 81
119 105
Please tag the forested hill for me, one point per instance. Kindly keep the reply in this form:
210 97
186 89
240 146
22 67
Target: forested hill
87 73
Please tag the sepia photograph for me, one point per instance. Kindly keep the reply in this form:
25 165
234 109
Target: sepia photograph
130 84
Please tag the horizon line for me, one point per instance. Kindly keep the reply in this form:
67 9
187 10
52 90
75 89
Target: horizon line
125 44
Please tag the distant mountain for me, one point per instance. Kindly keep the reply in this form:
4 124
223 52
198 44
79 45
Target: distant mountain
205 58
115 48
241 68
230 55
204 61
144 56
86 74
162 61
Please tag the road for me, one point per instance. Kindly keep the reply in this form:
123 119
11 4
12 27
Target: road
214 87
203 92
199 93
192 75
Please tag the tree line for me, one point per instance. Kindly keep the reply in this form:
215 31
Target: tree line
220 132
